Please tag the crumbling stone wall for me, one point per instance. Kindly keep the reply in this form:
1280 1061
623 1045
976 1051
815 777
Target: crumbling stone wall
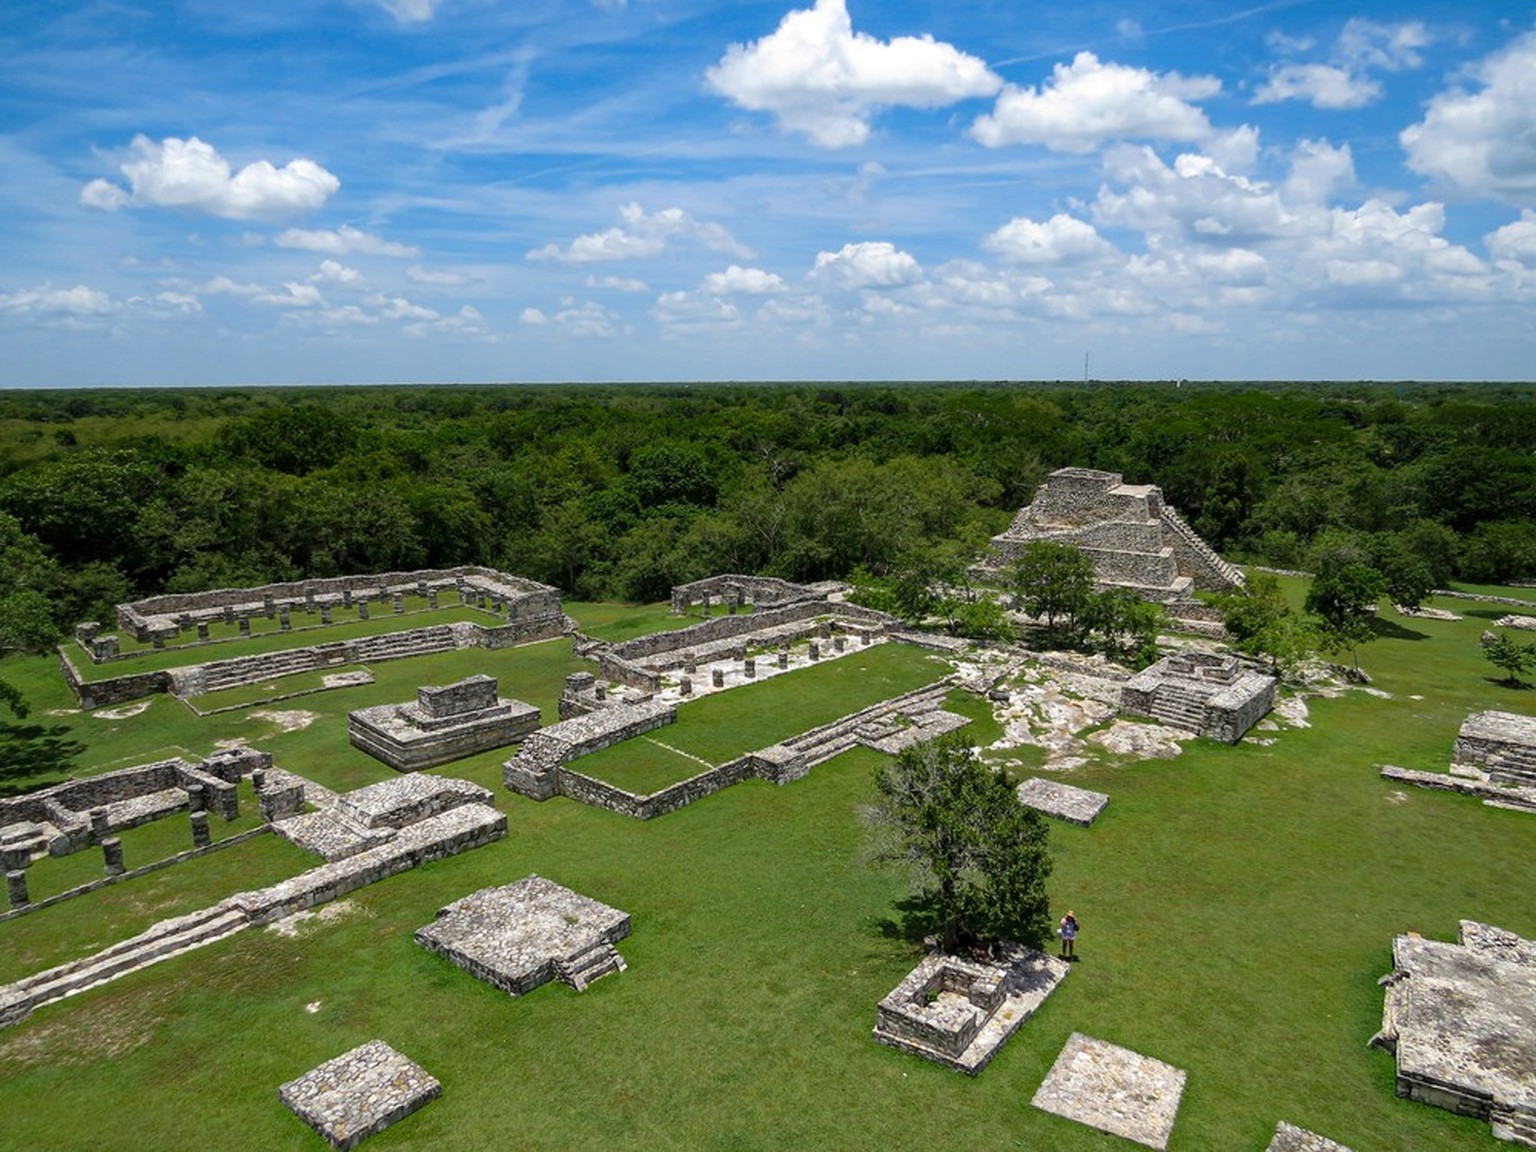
729 588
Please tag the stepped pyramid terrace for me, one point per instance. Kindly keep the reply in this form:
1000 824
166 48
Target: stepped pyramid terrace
1134 539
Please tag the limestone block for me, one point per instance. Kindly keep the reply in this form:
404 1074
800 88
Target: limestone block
359 1093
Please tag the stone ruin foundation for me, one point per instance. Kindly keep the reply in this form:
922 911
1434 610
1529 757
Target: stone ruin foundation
371 816
359 1093
445 723
1494 759
521 935
1134 539
959 1013
1062 801
1211 695
1289 1138
1113 1090
1459 1019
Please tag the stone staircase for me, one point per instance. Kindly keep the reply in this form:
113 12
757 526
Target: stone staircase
1515 766
592 963
1178 708
398 646
244 670
1514 1121
165 939
1191 540
872 725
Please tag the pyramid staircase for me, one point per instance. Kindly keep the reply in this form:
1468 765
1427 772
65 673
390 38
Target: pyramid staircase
1193 541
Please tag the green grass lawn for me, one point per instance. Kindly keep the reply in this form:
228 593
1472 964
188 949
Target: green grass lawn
1238 906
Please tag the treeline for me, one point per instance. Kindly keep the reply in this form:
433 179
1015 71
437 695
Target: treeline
620 492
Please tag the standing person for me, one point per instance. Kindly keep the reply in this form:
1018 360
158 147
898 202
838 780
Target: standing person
1068 934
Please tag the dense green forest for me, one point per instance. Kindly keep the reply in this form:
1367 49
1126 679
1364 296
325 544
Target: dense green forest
622 491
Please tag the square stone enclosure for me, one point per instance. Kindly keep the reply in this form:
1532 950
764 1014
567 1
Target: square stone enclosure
521 935
1114 1090
359 1093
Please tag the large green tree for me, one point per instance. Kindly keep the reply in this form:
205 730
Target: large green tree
1053 581
977 857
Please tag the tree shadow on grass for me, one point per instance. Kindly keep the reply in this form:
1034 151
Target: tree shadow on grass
918 917
31 750
1392 630
1508 682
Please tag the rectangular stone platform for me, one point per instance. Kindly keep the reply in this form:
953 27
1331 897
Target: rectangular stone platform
1289 1138
444 724
521 935
1062 801
1114 1090
359 1093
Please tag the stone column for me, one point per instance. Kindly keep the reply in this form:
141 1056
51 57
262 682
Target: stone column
258 778
16 888
158 641
346 597
229 803
783 657
202 631
197 799
245 626
864 639
201 836
717 677
325 613
749 667
283 622
600 690
268 607
691 664
685 686
112 855
839 643
432 599
815 650
399 604
15 859
100 829
229 613
362 609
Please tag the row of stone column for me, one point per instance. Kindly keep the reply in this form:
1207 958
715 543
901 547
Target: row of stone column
15 860
749 664
283 612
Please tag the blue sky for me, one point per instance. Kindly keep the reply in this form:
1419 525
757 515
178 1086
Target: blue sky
202 192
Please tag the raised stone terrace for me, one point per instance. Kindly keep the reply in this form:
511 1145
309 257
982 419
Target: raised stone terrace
1211 695
1501 744
521 935
359 1093
443 724
1460 1018
1134 539
959 1012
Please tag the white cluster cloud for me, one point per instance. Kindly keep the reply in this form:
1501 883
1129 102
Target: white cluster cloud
1483 142
191 175
642 236
343 241
868 264
1514 245
739 281
819 77
1345 81
1061 239
50 301
1089 102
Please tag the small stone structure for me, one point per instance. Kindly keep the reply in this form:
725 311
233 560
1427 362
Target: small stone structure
446 723
1460 1018
1500 744
521 935
1062 801
359 1093
1134 539
1214 696
534 771
1289 1138
1114 1090
67 817
368 817
960 1012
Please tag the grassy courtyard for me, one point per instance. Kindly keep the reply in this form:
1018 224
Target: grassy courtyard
1238 906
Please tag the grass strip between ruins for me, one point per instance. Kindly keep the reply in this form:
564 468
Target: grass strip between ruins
1238 905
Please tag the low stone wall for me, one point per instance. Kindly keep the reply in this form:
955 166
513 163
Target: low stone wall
117 690
740 627
586 790
533 772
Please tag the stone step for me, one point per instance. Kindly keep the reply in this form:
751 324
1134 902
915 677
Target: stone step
162 940
593 963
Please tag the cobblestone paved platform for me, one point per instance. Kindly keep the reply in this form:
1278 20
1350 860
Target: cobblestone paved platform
1114 1090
